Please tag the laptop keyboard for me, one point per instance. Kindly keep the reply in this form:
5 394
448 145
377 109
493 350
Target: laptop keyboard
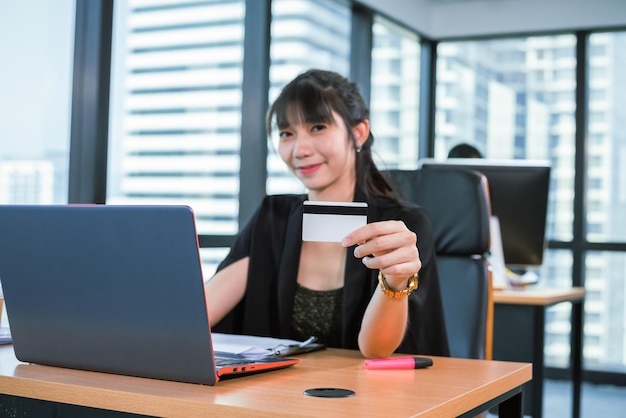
226 361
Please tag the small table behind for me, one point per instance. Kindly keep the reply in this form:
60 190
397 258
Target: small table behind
519 335
451 387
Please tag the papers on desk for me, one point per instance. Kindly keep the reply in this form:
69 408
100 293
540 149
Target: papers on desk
254 347
496 256
503 278
247 345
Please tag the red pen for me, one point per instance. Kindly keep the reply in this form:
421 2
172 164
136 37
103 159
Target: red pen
398 363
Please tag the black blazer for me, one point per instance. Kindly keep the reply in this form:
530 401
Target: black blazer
273 239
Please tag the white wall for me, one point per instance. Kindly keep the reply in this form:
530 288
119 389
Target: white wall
440 19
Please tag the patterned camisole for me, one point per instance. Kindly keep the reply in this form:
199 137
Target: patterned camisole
317 313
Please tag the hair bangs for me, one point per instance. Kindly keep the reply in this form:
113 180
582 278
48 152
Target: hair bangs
303 101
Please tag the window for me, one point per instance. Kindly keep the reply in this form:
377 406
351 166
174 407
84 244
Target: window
608 189
548 133
604 320
597 50
597 73
394 118
554 119
517 125
175 110
564 53
565 74
557 272
606 204
597 117
304 34
597 95
35 103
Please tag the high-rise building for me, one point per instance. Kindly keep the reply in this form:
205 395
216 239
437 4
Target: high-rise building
27 182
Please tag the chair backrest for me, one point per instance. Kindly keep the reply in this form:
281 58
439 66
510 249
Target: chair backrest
458 204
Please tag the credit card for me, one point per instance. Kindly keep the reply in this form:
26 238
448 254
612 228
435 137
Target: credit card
331 221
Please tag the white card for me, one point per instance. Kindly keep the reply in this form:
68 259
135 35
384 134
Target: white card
331 221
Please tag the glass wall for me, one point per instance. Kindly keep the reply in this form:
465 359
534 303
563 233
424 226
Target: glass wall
395 84
605 271
175 109
515 99
35 103
557 272
305 34
606 146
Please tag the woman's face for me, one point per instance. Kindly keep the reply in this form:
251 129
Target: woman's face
322 156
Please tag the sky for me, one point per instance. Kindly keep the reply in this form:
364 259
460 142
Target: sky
36 52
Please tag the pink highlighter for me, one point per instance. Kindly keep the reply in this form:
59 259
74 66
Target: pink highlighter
398 363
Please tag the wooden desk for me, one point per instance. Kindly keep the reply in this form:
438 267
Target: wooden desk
518 335
451 387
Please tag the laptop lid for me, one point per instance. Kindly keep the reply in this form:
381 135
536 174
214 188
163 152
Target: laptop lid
116 289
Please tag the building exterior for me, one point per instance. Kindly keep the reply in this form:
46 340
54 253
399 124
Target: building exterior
27 182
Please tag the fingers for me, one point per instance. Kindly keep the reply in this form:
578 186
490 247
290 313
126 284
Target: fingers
388 246
370 231
402 261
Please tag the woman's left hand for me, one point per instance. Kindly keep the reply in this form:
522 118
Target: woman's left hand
388 246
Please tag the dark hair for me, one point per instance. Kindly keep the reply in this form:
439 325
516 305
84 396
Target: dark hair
312 97
464 151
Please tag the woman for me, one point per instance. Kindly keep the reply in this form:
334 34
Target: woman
274 284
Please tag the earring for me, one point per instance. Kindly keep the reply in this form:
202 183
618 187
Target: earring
358 149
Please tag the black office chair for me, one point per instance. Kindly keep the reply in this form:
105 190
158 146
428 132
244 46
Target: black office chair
458 204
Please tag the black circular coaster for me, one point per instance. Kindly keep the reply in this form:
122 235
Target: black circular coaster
329 392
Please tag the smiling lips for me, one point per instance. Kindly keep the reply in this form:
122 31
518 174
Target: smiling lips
308 169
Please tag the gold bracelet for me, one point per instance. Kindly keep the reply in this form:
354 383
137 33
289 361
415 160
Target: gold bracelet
412 284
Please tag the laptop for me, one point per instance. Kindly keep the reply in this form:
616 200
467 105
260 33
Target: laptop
116 289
